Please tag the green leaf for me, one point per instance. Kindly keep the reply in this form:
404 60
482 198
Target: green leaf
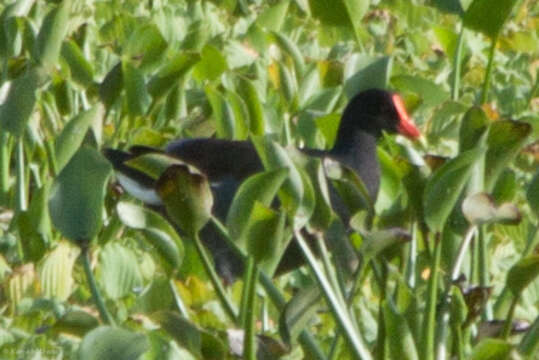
533 194
480 209
224 116
298 312
72 135
356 9
211 65
109 343
119 268
273 17
491 349
51 35
146 42
260 188
376 242
256 111
522 274
77 195
473 126
504 141
400 339
138 99
19 103
168 76
55 275
432 94
154 164
291 49
76 322
444 187
488 16
448 6
372 73
81 69
186 334
187 197
112 85
156 229
264 233
339 12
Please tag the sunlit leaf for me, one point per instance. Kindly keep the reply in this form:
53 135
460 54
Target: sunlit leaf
109 343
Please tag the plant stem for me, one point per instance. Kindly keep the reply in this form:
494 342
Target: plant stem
307 341
488 75
178 300
4 166
21 204
98 299
430 317
457 62
509 319
483 271
214 278
336 303
249 350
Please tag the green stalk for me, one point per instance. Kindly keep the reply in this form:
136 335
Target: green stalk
178 300
20 204
509 319
4 166
306 340
483 272
336 303
457 62
429 321
214 278
98 299
488 75
249 350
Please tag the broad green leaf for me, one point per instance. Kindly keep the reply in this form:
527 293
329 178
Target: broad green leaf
260 188
287 84
491 349
72 135
431 93
55 274
488 16
533 194
444 187
211 65
110 343
480 209
112 85
308 86
138 99
76 322
153 164
473 126
356 9
449 6
19 103
82 70
298 312
187 197
186 334
522 274
119 268
224 116
400 339
156 229
146 42
51 35
264 233
256 112
530 342
241 115
339 12
169 75
376 242
291 49
77 195
504 141
273 17
373 73
273 156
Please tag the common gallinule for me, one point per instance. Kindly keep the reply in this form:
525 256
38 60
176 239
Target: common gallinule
226 163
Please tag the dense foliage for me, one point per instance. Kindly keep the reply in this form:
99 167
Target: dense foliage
448 252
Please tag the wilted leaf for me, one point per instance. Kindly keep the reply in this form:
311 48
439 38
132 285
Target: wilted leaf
480 209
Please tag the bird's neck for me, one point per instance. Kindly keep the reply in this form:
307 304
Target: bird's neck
357 150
